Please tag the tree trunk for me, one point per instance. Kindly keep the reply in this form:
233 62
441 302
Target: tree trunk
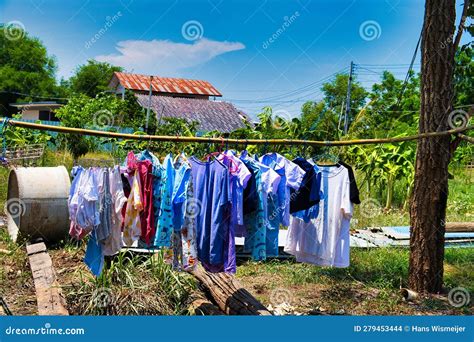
428 204
229 295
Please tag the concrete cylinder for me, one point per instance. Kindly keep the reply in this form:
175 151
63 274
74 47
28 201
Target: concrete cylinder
36 204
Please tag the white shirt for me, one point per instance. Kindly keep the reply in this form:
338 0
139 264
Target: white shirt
325 240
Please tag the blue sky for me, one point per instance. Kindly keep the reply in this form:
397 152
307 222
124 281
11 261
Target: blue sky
255 52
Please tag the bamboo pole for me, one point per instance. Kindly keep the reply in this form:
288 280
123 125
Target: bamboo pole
146 137
465 137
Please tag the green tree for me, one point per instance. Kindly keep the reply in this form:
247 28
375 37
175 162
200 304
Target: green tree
106 111
335 94
321 120
25 67
387 111
464 77
92 78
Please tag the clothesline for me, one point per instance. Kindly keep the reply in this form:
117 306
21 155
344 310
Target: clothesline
146 137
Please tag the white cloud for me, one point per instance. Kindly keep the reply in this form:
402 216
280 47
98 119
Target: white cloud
164 57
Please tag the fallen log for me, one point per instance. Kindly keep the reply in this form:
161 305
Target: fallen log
460 227
204 307
229 295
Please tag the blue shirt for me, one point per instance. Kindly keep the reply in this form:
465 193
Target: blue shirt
212 196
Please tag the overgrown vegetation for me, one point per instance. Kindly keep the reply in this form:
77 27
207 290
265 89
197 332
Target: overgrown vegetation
369 286
130 285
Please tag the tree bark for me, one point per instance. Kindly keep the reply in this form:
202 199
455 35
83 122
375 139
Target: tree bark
229 295
429 199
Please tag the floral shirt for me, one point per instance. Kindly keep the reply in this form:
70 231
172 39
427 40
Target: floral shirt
132 226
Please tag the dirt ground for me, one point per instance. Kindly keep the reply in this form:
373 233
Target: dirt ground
17 288
325 296
353 298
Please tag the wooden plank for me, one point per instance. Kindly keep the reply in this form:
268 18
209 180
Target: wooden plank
460 227
35 248
48 292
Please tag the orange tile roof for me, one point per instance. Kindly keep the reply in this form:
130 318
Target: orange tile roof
166 84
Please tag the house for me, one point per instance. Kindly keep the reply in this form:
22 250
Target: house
181 98
34 111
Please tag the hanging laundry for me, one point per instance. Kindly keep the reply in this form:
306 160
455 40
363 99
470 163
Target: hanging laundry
193 210
157 173
94 258
212 196
308 193
354 189
325 240
184 246
315 191
238 178
279 204
134 205
143 168
73 203
85 200
256 223
104 228
113 243
165 216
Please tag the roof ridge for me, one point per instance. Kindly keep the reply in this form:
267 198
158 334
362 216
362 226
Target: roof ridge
173 85
162 77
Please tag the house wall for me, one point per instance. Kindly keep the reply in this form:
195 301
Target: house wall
35 114
30 114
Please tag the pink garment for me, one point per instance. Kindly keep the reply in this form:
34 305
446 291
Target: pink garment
77 232
147 215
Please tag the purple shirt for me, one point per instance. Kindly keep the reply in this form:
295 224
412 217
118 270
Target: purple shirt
212 198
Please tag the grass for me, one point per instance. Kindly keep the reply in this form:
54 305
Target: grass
130 285
16 280
460 206
369 286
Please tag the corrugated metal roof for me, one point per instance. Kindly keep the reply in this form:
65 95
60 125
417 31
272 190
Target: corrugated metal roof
211 115
166 84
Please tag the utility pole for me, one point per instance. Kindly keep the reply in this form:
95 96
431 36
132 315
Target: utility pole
149 105
348 100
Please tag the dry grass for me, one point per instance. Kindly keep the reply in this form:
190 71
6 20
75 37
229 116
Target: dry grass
16 281
130 285
370 286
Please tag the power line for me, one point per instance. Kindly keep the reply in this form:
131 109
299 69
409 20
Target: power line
409 70
30 95
295 92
